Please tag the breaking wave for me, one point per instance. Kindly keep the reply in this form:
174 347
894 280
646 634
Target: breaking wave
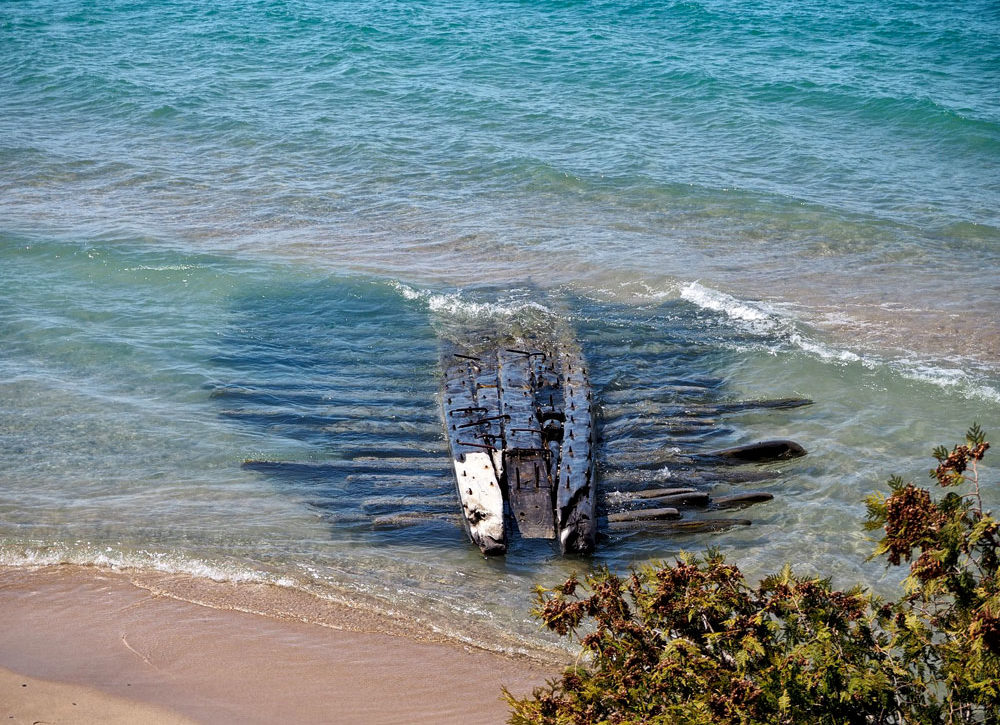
775 331
460 306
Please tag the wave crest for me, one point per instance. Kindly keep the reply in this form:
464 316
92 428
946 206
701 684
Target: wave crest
776 332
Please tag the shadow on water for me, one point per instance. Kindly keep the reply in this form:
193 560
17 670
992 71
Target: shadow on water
340 379
665 406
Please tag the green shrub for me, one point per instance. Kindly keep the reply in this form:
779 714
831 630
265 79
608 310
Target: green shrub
694 642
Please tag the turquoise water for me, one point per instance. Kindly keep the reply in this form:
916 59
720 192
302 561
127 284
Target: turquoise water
236 231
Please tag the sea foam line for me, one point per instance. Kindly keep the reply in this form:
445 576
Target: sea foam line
456 305
764 320
782 331
109 558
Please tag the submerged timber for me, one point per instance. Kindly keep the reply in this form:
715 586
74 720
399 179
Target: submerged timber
521 416
521 419
521 430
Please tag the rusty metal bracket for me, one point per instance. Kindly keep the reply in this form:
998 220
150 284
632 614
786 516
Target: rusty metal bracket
502 416
478 445
529 353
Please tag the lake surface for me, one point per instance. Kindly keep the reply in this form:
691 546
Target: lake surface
245 231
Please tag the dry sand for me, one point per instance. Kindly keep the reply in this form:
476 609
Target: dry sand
27 700
84 645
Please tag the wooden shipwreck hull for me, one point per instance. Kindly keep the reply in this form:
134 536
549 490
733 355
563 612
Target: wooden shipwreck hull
521 429
520 417
520 424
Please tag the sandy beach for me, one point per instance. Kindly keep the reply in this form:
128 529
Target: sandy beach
86 645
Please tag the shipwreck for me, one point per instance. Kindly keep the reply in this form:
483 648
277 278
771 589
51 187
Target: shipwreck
521 428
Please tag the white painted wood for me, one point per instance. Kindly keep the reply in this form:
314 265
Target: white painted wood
482 500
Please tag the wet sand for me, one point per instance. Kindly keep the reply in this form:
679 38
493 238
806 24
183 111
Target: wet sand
89 645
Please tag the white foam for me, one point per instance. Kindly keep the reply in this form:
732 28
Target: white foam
109 558
944 377
455 304
827 353
775 330
407 292
757 314
778 328
652 293
778 332
617 497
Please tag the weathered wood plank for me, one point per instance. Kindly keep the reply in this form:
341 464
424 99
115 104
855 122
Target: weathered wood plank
647 407
739 500
644 515
687 527
469 399
576 492
661 492
407 519
690 498
529 483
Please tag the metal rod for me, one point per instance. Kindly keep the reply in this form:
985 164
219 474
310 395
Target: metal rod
478 445
529 353
503 416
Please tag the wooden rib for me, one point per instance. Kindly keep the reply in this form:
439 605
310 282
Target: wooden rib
576 492
692 526
739 500
644 515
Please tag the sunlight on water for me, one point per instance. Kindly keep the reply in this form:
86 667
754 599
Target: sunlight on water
131 411
245 233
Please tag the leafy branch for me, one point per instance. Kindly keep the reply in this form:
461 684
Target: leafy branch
694 642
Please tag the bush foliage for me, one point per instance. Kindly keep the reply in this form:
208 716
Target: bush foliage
694 642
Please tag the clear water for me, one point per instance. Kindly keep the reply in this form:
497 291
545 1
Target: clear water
241 231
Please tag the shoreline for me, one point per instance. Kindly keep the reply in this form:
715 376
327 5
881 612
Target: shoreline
121 649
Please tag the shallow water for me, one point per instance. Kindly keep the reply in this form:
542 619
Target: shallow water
243 233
